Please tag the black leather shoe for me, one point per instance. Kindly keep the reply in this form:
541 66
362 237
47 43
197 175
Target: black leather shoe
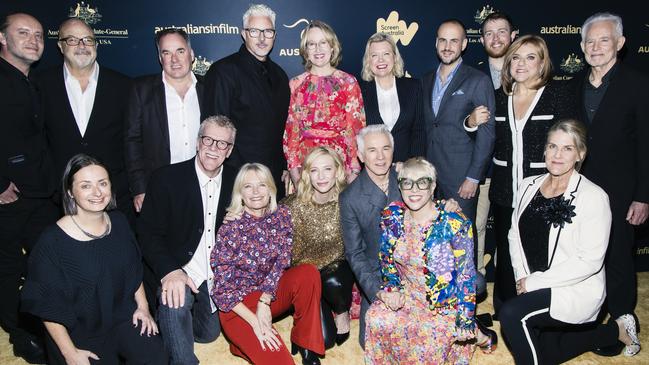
341 338
308 357
610 351
30 350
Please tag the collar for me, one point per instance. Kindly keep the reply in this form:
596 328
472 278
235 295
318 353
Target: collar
11 68
67 75
166 84
606 79
450 75
203 179
245 54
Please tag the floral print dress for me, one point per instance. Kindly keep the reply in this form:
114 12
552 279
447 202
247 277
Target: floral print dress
432 266
324 111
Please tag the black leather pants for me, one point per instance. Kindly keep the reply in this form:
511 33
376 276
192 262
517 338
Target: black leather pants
336 298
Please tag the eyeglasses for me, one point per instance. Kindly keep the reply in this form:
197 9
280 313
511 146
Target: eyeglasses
423 183
209 141
74 41
323 44
255 32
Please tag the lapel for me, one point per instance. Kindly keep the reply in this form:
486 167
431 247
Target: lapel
102 93
194 191
373 194
609 99
67 119
429 84
372 102
199 91
459 77
264 92
160 105
404 95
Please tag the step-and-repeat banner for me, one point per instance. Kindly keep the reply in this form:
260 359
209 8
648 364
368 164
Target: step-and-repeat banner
125 30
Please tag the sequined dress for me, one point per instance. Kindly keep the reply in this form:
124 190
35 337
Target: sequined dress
422 331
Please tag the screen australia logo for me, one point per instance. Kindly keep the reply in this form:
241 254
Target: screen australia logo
90 15
398 29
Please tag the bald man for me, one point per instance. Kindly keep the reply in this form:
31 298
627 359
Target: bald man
26 183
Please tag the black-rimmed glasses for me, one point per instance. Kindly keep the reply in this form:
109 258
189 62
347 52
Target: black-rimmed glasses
74 41
423 183
209 141
255 32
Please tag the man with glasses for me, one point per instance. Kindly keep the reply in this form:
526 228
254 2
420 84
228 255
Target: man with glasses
163 113
253 91
184 207
84 107
26 183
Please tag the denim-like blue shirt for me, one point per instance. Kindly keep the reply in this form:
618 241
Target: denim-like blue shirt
440 89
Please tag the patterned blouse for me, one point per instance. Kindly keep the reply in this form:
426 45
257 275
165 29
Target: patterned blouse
250 255
448 256
324 111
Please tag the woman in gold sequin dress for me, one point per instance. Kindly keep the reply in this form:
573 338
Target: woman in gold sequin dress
317 237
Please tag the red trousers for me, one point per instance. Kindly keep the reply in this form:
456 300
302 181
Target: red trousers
299 288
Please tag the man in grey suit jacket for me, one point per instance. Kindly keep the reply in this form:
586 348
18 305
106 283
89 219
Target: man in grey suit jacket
453 95
360 206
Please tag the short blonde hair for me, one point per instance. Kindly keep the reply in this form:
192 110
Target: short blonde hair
416 166
330 36
236 205
507 80
397 69
305 190
576 130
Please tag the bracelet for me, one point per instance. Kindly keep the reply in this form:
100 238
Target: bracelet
262 301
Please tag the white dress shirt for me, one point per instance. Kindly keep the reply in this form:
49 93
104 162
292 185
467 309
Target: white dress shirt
184 119
81 102
198 268
389 107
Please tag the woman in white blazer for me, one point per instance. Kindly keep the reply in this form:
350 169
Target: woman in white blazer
557 242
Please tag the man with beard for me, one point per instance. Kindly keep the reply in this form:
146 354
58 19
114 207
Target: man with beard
252 90
84 108
456 94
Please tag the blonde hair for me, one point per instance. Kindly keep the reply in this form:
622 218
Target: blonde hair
397 69
576 130
330 37
236 205
507 80
305 189
418 165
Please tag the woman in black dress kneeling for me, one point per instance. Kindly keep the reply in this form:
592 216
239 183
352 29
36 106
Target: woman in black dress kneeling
85 278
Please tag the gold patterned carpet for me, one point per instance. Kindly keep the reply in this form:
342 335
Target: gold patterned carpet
350 352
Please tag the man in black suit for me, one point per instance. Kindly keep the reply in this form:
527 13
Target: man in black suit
26 183
253 91
84 107
613 103
163 113
184 207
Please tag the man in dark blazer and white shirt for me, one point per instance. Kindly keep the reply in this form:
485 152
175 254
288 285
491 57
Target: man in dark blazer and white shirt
84 107
613 101
163 113
184 207
453 93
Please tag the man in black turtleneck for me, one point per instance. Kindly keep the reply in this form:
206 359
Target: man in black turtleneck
253 92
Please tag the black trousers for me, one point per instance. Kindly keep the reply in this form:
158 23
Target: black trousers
336 298
123 344
21 224
534 337
504 283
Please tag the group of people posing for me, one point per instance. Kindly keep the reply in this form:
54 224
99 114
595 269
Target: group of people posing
197 205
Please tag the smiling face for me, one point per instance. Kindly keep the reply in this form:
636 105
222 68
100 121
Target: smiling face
22 41
450 43
497 37
80 56
381 59
601 44
261 46
322 174
210 158
319 50
377 154
91 189
417 198
561 154
526 64
255 193
176 56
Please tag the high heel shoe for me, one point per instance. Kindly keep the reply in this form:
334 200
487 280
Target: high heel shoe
631 329
490 345
308 357
341 338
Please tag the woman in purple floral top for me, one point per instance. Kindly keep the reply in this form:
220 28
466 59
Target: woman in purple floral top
252 279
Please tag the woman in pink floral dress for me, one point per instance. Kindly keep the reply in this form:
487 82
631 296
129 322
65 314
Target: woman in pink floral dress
326 107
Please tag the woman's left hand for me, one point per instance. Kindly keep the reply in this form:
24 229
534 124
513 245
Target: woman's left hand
148 323
463 334
520 287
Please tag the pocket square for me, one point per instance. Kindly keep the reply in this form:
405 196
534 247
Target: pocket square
458 92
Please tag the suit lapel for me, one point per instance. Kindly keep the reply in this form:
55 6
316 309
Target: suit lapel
161 110
459 77
555 232
67 119
372 102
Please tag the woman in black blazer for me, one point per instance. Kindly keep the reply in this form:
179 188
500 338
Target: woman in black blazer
392 99
527 105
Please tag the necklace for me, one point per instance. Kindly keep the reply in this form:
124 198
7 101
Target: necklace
384 187
90 235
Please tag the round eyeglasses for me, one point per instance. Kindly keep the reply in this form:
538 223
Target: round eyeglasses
209 141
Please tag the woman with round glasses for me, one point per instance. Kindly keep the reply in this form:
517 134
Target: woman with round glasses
426 311
326 107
